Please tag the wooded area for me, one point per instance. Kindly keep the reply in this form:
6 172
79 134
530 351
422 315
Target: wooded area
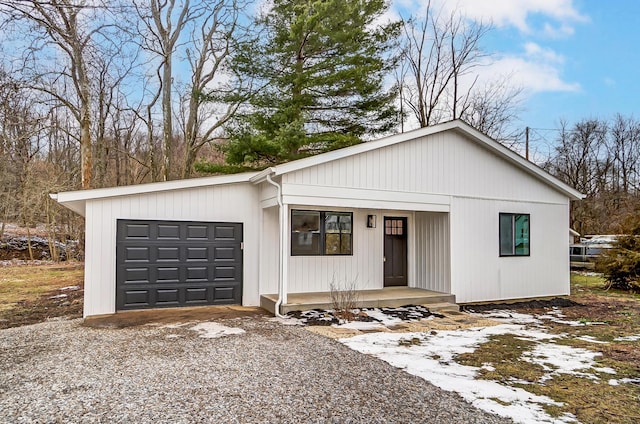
109 93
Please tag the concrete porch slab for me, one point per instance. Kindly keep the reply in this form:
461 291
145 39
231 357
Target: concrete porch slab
390 297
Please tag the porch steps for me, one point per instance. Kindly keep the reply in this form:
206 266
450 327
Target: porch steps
391 297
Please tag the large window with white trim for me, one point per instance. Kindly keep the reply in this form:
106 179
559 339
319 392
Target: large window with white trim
514 234
316 233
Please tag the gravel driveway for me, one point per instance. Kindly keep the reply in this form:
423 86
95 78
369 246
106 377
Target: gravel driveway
64 372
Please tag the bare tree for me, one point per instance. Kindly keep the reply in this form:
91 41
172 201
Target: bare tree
164 22
438 80
439 51
215 91
492 108
70 27
624 147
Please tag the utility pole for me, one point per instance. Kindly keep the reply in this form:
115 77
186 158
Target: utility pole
526 144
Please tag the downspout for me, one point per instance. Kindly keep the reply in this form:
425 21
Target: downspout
281 285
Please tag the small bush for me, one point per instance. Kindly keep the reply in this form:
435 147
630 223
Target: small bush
344 299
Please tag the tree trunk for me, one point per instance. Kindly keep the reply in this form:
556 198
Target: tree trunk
167 127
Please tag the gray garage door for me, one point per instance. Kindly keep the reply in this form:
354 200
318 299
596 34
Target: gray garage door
173 263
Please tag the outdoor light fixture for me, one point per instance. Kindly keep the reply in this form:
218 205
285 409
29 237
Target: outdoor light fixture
371 221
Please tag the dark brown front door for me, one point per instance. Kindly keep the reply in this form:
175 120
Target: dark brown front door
395 251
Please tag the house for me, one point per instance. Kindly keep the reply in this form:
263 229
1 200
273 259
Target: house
443 208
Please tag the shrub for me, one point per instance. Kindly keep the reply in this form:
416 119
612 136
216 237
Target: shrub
344 299
621 264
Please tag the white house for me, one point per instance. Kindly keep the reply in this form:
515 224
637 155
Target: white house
443 208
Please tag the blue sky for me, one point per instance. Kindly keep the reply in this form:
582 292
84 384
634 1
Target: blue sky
574 59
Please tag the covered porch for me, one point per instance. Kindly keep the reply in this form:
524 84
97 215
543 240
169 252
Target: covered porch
386 297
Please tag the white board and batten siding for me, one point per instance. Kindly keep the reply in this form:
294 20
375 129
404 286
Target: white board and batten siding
478 273
442 164
450 182
432 264
364 268
220 203
455 189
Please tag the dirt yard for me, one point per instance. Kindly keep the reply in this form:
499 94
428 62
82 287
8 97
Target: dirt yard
39 291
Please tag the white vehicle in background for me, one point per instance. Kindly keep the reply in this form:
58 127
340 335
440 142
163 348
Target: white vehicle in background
585 253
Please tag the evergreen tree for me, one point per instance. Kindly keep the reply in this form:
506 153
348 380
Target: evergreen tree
321 66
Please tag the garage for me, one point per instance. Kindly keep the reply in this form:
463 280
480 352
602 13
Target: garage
177 263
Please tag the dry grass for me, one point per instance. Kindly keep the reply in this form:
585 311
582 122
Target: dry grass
590 400
27 293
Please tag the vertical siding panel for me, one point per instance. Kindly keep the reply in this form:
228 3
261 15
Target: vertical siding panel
444 163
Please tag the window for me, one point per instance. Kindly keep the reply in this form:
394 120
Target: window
514 234
321 233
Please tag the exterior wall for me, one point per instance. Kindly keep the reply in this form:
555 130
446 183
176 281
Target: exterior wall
445 163
269 251
433 267
224 203
268 194
478 273
365 266
478 185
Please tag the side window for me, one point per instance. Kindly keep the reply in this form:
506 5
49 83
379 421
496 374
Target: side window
514 234
321 233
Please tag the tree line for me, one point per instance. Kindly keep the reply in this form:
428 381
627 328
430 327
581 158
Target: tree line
98 93
601 159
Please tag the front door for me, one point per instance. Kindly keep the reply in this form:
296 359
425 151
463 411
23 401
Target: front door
395 251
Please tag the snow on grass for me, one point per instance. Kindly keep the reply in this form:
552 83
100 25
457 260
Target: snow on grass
432 356
617 382
562 359
591 339
555 315
633 338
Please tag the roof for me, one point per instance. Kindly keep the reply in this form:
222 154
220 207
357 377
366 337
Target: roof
75 200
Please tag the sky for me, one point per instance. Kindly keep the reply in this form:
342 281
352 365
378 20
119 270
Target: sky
574 59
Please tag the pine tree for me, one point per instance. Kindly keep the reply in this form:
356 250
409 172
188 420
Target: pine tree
321 65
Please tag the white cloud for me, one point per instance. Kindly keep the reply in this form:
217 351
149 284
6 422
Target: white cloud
535 70
504 13
561 31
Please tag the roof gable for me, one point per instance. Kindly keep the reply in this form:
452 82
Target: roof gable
459 126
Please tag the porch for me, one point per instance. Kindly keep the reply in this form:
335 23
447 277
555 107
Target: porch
387 297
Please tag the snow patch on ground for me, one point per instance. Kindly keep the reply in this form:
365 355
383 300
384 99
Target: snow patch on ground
432 356
617 382
591 339
207 329
561 359
361 325
213 330
633 338
511 317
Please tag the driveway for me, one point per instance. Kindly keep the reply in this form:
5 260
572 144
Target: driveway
258 371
